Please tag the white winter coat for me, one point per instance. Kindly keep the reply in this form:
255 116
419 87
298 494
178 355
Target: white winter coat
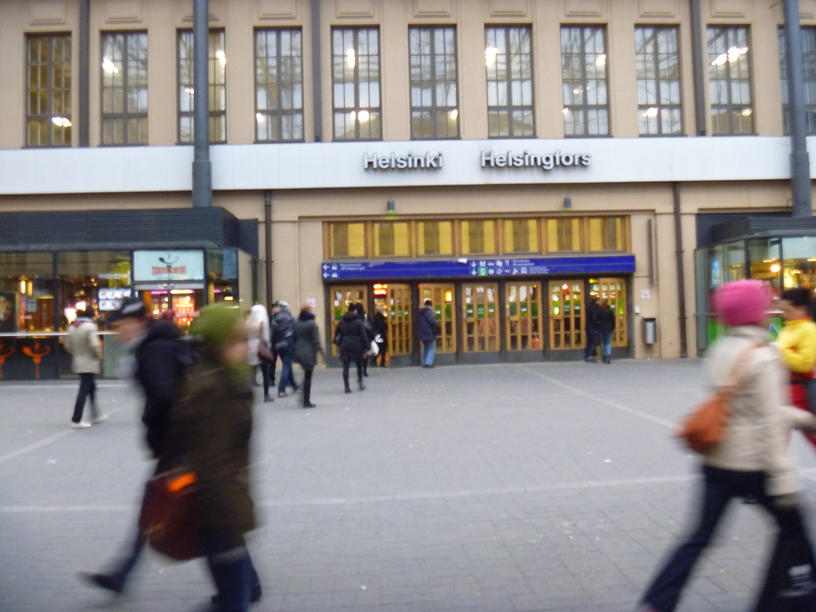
761 419
257 329
84 346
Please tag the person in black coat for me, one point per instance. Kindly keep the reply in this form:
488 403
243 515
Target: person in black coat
380 328
351 336
606 325
358 307
593 338
307 347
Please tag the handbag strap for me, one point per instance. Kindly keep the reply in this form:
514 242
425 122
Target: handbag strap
738 373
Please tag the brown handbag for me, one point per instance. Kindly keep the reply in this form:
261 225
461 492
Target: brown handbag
168 518
705 428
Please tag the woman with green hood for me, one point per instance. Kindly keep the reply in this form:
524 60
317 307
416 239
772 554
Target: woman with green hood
210 430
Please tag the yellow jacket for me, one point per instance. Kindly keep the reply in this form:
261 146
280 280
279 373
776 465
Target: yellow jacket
797 342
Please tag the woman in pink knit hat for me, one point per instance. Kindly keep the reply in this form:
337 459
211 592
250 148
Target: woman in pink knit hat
752 462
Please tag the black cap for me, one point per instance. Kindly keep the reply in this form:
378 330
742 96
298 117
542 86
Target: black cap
131 307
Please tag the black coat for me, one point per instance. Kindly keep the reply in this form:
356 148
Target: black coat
307 341
161 359
353 337
606 320
380 326
592 318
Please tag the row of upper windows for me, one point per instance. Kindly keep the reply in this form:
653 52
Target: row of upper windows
434 93
438 238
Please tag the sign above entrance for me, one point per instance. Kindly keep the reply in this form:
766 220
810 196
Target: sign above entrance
429 161
545 161
158 266
545 266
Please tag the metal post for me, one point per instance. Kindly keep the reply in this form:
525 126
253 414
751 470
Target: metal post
84 73
268 244
800 163
681 271
202 169
699 68
317 83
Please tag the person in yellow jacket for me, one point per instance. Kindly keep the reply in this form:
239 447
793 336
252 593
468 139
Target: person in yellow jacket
797 343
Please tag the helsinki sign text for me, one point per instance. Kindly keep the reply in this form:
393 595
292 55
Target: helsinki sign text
489 159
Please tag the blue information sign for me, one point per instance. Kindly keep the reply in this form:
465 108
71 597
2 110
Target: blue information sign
544 266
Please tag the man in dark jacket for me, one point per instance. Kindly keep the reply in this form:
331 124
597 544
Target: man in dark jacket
606 325
428 328
307 346
593 312
350 334
160 358
283 340
380 328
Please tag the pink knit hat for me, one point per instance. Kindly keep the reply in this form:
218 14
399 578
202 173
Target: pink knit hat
744 302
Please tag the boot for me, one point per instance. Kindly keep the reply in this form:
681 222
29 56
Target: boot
348 389
362 386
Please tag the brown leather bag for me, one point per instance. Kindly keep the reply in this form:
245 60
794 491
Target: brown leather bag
706 427
168 517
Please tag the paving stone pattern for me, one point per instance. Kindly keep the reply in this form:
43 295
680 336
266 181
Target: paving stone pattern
506 488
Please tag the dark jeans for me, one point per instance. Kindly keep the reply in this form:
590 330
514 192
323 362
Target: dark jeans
307 385
232 571
87 389
383 347
287 379
592 340
346 365
264 367
719 487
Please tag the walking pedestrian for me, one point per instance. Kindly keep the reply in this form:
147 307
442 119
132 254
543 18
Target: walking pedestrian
307 346
260 338
160 358
86 356
752 461
380 329
210 429
283 339
592 329
428 328
369 330
606 326
351 337
797 343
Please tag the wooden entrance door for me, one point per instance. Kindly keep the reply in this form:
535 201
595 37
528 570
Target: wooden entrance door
524 316
566 314
480 315
614 290
397 308
442 298
342 297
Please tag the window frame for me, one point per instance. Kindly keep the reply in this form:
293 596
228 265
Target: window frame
730 107
211 114
356 109
280 113
810 107
655 57
125 115
435 108
585 108
510 107
581 231
587 238
50 74
505 248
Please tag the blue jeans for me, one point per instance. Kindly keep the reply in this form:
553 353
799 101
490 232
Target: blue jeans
287 379
428 352
232 571
606 344
719 487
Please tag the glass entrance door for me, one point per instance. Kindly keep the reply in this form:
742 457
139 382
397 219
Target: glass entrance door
614 290
566 315
396 305
524 316
442 298
342 297
480 315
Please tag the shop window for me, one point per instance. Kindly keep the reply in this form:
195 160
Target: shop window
521 236
478 237
124 88
48 104
26 292
765 257
222 275
563 235
799 266
606 234
217 84
435 237
392 240
347 240
91 280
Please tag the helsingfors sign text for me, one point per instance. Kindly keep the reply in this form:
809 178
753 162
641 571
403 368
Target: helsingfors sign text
489 159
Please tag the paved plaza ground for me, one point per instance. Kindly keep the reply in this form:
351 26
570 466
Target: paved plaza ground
505 488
